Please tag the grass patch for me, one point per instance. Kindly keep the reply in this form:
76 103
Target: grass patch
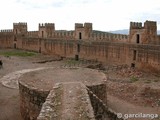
17 53
72 62
148 81
133 79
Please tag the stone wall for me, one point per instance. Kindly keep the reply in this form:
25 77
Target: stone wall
101 46
89 103
143 56
100 90
107 52
76 106
31 44
31 101
95 107
6 39
98 98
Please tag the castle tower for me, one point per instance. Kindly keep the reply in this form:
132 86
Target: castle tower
143 34
79 31
20 28
46 30
135 32
151 31
88 29
82 32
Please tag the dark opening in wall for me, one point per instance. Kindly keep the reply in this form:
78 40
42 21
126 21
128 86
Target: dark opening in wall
137 38
42 34
76 57
134 54
132 65
78 47
80 35
39 49
15 46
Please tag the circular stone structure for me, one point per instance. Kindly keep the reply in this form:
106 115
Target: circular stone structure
35 86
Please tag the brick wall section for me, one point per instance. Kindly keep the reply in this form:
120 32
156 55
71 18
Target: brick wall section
31 101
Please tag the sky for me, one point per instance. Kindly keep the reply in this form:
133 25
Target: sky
106 15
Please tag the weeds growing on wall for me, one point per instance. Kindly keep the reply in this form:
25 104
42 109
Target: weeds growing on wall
17 53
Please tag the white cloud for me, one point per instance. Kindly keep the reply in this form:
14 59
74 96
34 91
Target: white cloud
104 14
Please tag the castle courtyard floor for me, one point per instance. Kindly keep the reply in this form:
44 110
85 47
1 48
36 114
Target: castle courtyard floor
140 95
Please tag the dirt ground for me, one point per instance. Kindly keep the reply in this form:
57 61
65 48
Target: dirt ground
9 98
131 91
125 93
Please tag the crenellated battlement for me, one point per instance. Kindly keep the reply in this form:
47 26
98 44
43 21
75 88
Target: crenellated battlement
20 23
49 24
150 24
32 34
78 25
143 34
6 30
41 24
84 31
46 24
135 25
88 25
64 34
106 36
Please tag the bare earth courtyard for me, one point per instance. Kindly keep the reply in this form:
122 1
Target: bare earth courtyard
128 91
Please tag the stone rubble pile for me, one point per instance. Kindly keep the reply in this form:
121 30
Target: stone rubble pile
130 72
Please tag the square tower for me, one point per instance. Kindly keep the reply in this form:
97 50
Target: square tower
20 28
46 30
146 34
83 31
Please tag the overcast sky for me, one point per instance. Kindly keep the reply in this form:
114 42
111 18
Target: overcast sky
105 15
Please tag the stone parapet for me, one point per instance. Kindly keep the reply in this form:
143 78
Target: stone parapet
67 101
31 100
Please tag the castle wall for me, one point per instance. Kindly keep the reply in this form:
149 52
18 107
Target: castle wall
32 34
66 35
31 101
108 37
107 52
140 48
58 47
148 57
31 44
6 38
158 39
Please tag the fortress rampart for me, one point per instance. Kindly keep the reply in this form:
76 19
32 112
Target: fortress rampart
138 49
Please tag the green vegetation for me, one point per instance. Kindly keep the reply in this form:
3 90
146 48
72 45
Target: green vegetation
72 62
133 79
148 81
17 53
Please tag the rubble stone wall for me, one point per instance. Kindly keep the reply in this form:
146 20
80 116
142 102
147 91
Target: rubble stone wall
31 101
